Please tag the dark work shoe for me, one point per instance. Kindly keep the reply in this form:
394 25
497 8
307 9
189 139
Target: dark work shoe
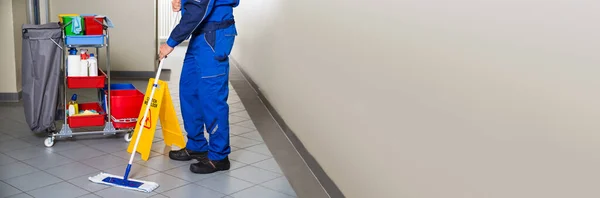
187 155
207 166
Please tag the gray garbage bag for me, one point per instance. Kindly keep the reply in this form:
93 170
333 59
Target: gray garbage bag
41 68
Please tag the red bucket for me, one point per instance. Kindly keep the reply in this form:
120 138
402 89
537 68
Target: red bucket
93 25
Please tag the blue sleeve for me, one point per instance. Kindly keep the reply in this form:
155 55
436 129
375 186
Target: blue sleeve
195 13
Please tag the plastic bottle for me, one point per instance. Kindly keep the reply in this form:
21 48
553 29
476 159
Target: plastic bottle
93 66
84 63
73 63
73 106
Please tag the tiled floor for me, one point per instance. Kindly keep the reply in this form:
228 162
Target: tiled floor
28 169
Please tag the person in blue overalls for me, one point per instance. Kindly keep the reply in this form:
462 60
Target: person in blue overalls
203 87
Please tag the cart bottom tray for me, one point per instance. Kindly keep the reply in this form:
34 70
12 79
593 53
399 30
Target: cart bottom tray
88 120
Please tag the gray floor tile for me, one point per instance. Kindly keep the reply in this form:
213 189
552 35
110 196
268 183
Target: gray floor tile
22 195
163 163
59 190
16 129
35 140
160 147
242 142
126 155
237 105
105 162
261 148
225 184
48 161
64 145
270 165
5 137
248 124
253 174
253 135
280 185
259 191
12 145
243 114
28 153
5 159
137 171
84 183
33 181
193 191
120 192
113 146
166 182
15 170
246 156
236 165
159 196
7 190
235 109
91 195
235 119
72 170
184 173
81 153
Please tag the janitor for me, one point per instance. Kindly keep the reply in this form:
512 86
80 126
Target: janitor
203 87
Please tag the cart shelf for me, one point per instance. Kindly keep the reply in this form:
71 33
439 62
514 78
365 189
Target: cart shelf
87 82
85 41
87 120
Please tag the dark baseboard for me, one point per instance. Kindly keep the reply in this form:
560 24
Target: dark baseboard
328 185
138 74
11 97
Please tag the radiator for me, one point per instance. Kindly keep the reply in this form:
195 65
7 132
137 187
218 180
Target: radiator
165 19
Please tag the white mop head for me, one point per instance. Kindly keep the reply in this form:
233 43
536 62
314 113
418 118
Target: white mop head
145 187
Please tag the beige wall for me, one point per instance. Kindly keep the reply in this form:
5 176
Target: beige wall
133 40
434 98
19 18
8 80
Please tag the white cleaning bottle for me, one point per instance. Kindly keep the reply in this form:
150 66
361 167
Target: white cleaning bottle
93 66
73 63
84 63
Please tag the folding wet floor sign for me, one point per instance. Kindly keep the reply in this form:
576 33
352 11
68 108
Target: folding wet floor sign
161 109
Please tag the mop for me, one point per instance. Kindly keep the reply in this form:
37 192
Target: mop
125 181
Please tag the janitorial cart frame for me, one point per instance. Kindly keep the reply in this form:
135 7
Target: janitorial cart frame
103 80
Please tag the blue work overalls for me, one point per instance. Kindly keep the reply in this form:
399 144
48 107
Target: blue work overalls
203 87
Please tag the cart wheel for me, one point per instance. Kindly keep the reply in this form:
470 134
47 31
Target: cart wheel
49 142
128 136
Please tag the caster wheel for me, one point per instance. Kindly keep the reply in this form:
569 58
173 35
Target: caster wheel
128 136
49 142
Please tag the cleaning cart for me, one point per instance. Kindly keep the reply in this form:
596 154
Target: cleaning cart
93 32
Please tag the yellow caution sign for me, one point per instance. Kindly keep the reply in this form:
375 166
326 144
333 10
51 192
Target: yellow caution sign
161 109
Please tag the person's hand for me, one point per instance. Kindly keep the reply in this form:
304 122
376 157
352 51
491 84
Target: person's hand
164 51
176 5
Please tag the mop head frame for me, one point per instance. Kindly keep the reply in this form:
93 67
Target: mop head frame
117 181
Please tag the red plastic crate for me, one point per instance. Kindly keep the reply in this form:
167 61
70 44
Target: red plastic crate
125 106
93 25
86 82
124 124
87 120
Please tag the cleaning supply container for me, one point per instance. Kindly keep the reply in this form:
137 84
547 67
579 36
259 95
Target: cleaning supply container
125 104
93 25
73 63
93 66
68 21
